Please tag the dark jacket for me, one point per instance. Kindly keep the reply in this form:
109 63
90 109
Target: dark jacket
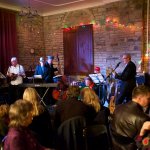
126 123
50 72
128 73
42 128
72 108
128 82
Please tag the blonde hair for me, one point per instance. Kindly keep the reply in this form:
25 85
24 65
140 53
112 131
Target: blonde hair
31 95
4 110
90 98
19 112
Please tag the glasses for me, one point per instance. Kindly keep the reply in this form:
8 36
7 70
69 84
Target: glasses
125 58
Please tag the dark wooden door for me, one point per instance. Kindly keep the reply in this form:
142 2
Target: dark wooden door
78 50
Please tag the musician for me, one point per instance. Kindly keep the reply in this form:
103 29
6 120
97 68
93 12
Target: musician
59 93
51 70
41 69
49 79
15 74
127 78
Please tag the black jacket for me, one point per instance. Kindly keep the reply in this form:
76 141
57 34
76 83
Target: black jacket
126 123
50 72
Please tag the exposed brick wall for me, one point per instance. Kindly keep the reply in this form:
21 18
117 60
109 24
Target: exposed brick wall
110 40
30 37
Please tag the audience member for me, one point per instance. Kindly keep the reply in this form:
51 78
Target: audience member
41 123
89 83
19 136
72 107
128 119
127 80
89 98
4 121
15 75
96 140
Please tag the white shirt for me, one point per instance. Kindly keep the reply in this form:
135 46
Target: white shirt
18 70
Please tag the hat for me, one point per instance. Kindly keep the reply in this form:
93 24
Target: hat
13 59
50 57
41 59
97 68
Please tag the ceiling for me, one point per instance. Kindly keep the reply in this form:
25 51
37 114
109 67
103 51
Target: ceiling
50 7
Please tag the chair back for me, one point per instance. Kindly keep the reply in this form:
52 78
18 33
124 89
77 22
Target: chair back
97 137
71 134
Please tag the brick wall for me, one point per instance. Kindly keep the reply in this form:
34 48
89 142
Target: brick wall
117 29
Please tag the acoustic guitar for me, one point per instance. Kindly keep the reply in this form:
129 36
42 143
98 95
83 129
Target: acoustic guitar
12 77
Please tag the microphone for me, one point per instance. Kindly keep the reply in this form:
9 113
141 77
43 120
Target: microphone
118 64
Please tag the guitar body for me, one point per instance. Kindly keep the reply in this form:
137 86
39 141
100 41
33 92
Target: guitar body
13 77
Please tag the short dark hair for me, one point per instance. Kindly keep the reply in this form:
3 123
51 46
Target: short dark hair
127 55
140 90
73 92
88 78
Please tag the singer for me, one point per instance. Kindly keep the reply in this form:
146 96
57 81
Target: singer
127 79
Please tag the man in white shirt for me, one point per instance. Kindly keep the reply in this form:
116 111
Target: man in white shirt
15 75
15 72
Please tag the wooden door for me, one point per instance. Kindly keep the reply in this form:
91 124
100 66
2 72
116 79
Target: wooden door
78 50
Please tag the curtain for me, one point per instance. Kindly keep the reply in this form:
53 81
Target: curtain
8 37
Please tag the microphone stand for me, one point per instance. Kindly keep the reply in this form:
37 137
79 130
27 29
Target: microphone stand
111 72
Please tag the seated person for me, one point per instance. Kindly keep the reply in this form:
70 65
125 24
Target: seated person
128 119
71 107
41 122
19 136
89 83
4 121
59 93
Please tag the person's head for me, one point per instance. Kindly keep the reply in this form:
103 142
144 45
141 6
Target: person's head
41 60
31 95
73 92
61 85
89 97
50 59
88 81
126 58
97 69
4 110
141 95
20 113
14 61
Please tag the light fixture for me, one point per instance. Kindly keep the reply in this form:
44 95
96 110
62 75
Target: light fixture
28 12
29 17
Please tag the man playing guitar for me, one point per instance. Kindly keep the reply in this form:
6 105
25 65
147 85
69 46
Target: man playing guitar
15 72
15 76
